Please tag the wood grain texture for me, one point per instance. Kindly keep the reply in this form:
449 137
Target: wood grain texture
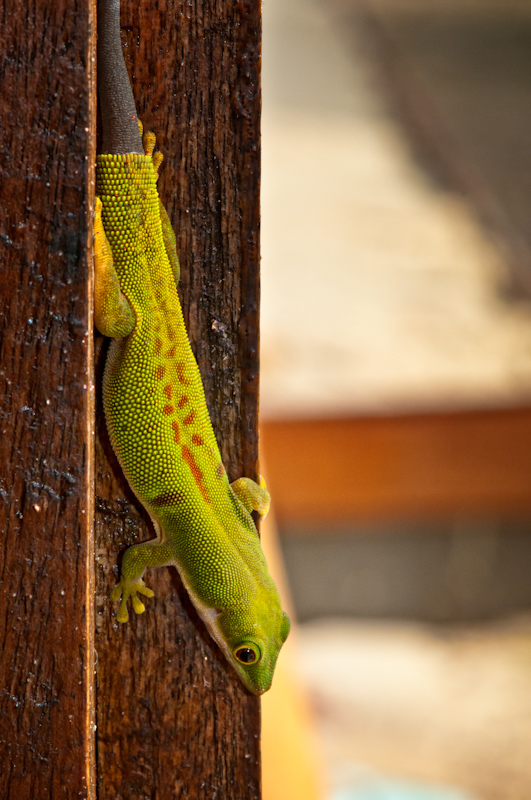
46 552
333 470
173 719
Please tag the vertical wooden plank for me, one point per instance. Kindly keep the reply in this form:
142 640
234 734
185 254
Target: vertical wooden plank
46 552
173 719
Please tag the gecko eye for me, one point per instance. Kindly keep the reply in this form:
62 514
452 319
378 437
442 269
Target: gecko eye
247 653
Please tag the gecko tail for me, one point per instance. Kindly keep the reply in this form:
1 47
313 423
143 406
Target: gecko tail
118 111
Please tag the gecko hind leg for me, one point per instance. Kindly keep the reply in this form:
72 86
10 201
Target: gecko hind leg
136 559
253 496
168 235
113 314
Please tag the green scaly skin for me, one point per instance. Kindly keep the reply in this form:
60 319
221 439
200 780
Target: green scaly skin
160 430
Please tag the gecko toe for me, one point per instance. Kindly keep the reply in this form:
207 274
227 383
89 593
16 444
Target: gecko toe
145 590
138 605
116 592
123 614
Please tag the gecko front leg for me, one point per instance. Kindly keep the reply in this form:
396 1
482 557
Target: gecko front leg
131 583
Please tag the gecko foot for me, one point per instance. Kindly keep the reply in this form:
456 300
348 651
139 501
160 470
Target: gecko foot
253 496
130 589
148 142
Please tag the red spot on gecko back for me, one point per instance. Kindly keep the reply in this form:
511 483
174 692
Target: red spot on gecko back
196 439
189 419
183 401
171 352
180 373
196 472
158 347
176 435
168 409
167 391
159 372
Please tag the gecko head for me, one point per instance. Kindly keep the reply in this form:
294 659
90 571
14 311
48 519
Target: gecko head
251 639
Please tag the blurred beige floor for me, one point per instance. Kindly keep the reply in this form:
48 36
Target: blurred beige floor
449 706
379 288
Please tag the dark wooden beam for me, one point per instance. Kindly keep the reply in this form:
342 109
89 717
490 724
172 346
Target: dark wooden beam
46 406
173 719
333 470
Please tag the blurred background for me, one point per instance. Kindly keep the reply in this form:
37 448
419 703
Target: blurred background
396 396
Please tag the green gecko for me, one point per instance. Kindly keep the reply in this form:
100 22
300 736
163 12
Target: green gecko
154 400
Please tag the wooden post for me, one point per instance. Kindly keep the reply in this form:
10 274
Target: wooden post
173 720
46 406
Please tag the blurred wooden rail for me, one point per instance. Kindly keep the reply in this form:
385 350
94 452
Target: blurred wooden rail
329 470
